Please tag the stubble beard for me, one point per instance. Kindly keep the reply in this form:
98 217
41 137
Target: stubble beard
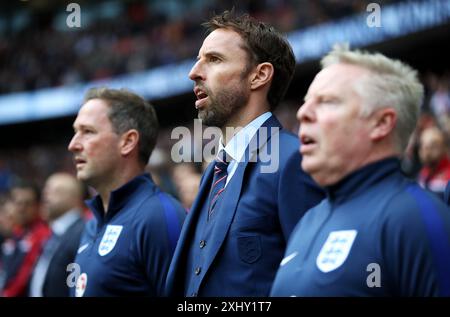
223 106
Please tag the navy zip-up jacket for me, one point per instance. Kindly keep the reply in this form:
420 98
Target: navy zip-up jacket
376 234
127 252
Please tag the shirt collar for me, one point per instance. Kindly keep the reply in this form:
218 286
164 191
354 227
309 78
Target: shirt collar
63 222
359 180
120 197
239 142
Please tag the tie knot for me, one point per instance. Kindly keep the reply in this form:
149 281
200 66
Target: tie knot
222 160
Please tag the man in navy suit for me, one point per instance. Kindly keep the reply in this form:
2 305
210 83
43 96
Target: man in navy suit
254 193
63 204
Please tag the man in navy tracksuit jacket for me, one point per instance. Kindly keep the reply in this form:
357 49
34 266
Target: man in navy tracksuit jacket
127 248
377 233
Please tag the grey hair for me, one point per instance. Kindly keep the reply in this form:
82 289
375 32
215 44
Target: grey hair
391 83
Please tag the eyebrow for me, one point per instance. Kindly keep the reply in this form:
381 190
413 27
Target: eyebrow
82 126
212 53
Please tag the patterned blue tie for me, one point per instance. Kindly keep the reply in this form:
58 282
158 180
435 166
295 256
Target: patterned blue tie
219 180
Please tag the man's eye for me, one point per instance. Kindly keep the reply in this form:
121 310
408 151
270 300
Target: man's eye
214 59
328 100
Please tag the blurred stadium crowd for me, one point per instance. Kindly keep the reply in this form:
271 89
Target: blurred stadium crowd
125 42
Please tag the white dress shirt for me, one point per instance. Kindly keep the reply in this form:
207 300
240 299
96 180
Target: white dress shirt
239 142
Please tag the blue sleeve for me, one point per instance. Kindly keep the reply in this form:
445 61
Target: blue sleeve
297 193
156 249
415 247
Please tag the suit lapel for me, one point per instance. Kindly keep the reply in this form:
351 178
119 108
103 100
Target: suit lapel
190 224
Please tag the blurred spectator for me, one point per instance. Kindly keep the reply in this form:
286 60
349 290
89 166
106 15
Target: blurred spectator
62 206
410 163
187 181
447 194
159 167
286 114
440 99
6 209
5 176
20 252
6 226
436 164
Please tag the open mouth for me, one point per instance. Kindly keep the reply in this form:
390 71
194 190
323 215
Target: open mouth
79 161
306 140
201 97
307 144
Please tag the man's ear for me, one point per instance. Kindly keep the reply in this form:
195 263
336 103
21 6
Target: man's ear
129 141
262 75
384 122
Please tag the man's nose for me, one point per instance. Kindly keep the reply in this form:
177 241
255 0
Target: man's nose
196 72
74 144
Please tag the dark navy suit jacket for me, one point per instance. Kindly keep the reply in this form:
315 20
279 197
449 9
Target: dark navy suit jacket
55 284
447 194
257 214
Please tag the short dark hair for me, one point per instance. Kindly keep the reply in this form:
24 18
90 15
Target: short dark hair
26 184
263 44
130 111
